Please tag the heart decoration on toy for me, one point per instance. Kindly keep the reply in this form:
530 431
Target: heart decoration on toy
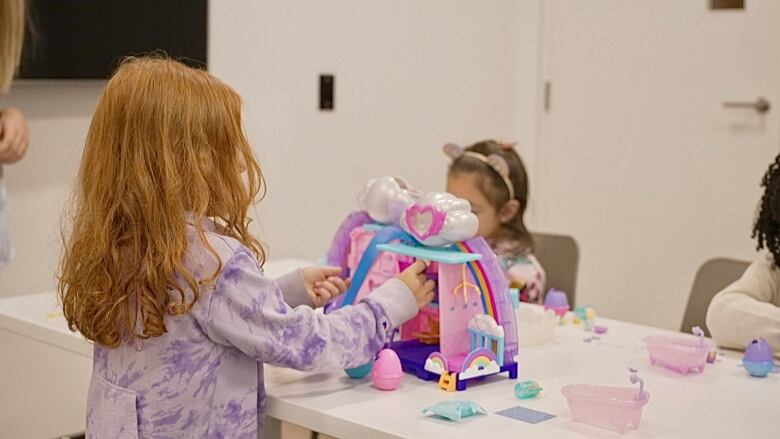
439 219
424 221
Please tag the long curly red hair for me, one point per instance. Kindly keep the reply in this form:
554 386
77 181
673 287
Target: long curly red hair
166 146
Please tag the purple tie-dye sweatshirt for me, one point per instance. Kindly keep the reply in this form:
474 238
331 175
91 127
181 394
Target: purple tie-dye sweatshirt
203 378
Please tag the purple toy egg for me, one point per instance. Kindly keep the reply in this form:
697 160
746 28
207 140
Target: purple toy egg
556 299
758 351
600 329
387 373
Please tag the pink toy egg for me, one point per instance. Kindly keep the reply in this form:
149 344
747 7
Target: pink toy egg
387 373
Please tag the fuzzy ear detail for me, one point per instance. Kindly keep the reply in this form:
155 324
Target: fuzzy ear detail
452 150
499 164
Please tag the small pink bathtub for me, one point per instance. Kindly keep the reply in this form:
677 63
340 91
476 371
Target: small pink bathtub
680 354
611 408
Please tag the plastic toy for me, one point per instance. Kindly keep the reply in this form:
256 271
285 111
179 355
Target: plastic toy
387 373
360 371
598 329
535 325
680 354
611 408
758 359
590 319
469 331
454 409
527 389
557 301
580 312
515 293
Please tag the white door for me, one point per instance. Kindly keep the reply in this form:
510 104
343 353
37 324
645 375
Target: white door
638 158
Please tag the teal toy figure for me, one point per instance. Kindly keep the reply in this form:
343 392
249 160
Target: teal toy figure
527 389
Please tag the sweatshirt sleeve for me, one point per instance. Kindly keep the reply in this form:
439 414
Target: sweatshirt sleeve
247 311
293 290
747 308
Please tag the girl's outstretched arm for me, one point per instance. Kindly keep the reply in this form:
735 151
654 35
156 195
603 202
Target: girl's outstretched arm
246 310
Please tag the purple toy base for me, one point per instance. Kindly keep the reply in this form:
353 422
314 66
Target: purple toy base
413 354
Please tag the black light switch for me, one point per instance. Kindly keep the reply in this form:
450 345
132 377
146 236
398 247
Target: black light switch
327 97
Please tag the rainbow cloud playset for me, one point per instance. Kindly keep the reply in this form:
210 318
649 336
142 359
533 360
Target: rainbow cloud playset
469 330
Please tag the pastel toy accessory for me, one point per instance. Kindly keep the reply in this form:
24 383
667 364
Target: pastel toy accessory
454 410
525 414
680 354
527 389
557 301
758 360
387 373
360 371
611 408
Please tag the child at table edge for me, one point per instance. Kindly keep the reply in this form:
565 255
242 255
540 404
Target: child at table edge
750 307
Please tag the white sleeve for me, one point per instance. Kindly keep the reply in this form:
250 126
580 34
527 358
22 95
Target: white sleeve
747 309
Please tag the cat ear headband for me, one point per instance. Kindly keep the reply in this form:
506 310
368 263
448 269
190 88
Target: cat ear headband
493 161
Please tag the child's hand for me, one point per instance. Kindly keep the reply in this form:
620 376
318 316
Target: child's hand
419 284
323 283
14 135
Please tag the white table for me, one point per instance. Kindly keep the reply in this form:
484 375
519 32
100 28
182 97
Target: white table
45 370
721 402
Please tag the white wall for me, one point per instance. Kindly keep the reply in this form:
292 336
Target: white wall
410 76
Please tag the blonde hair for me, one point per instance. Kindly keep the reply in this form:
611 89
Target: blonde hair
11 37
166 142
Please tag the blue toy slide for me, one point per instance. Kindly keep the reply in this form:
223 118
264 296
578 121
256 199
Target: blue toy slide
384 236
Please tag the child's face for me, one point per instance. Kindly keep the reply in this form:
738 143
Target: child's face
467 186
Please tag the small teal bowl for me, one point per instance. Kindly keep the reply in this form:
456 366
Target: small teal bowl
360 371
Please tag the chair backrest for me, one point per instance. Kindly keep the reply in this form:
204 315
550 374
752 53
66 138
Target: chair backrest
713 276
560 258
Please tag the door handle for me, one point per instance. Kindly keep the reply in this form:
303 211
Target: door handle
761 105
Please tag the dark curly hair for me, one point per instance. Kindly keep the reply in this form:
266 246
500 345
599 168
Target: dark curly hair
766 229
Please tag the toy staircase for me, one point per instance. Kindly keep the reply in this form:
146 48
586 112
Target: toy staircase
448 381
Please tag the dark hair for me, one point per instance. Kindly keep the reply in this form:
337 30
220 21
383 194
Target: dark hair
766 229
494 188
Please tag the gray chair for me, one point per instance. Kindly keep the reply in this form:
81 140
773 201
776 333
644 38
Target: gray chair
560 257
713 276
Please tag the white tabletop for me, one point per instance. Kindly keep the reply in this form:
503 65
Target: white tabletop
723 401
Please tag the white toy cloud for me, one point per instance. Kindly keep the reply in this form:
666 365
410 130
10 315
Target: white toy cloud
439 219
475 371
486 324
385 198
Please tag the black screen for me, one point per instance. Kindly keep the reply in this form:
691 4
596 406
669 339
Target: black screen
85 39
